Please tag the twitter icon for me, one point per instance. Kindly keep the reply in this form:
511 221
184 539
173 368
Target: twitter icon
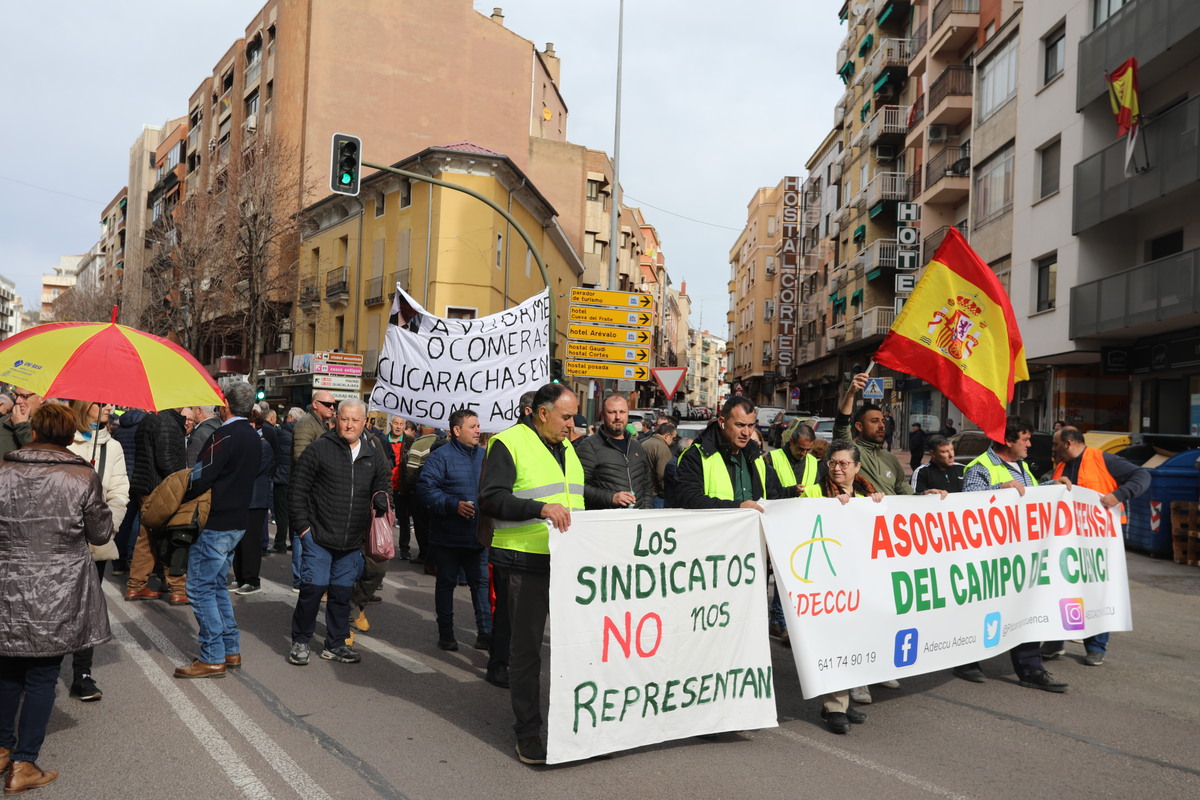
991 629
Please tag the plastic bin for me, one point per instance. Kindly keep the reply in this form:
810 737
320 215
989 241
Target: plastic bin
1177 478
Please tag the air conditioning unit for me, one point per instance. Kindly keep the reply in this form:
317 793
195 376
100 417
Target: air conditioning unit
887 90
885 152
212 144
251 123
939 133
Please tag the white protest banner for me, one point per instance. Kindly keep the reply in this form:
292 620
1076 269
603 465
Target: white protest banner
431 366
659 629
873 591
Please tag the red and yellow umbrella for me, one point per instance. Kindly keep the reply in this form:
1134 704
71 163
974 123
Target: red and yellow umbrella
107 363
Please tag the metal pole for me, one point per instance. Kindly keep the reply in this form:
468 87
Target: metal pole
614 231
537 256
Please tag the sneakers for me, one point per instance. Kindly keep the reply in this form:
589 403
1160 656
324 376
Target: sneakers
892 684
247 588
298 654
483 641
969 672
1043 680
861 694
450 644
341 653
1052 650
1094 658
86 690
531 750
360 621
405 554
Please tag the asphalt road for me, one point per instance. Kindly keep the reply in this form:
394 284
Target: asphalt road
412 721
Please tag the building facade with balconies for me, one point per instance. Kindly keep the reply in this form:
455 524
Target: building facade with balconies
705 384
10 315
448 250
1105 273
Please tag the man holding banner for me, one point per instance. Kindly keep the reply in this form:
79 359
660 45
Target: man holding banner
1002 466
530 478
723 469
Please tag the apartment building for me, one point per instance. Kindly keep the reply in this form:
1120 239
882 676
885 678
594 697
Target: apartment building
137 217
1105 256
452 253
10 315
57 282
113 234
705 384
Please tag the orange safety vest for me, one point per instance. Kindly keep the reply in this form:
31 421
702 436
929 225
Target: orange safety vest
1094 474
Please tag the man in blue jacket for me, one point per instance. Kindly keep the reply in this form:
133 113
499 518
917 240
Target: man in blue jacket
448 486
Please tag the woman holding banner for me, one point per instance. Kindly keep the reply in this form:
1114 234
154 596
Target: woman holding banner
843 482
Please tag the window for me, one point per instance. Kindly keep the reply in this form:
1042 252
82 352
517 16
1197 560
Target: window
1103 9
998 78
252 103
590 245
1055 46
768 310
456 312
1047 272
499 251
380 205
1049 166
993 187
1163 246
1003 269
770 226
593 190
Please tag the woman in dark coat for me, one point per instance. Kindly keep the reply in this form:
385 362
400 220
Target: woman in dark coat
51 507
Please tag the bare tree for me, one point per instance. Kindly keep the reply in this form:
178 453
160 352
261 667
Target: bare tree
86 304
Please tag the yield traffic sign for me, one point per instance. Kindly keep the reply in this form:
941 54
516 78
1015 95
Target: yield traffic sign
611 316
608 352
606 369
600 333
595 297
669 378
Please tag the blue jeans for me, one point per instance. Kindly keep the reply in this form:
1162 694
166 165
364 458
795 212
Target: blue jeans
1093 644
209 560
474 563
36 679
775 613
324 570
297 556
657 502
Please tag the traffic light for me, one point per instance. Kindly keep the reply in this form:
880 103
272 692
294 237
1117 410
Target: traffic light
261 393
556 370
346 164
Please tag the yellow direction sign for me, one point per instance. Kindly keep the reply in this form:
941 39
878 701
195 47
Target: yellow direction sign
603 369
608 352
595 297
611 316
600 333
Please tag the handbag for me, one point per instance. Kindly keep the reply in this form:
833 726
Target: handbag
380 545
107 551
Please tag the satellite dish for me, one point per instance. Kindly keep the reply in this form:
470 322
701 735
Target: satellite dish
858 9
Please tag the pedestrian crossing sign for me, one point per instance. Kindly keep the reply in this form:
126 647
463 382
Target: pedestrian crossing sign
874 389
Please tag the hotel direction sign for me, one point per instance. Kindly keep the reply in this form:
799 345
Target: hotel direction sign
595 297
608 352
606 335
606 369
611 316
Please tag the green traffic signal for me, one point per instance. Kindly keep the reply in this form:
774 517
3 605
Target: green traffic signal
346 164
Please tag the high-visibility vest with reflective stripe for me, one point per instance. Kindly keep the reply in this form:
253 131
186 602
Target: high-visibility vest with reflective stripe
539 477
1093 474
787 475
999 473
716 475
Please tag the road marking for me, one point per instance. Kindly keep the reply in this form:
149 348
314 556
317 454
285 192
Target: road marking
268 748
903 777
238 772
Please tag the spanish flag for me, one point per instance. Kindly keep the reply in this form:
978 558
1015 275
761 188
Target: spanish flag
1123 94
958 332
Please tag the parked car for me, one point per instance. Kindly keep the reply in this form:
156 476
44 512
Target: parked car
823 427
782 420
969 445
688 431
765 421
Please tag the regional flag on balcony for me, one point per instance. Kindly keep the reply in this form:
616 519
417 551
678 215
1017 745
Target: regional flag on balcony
1123 93
958 332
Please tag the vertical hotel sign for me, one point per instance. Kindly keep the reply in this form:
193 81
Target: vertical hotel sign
789 276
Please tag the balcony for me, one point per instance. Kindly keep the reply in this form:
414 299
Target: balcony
916 113
952 24
949 96
337 287
839 114
1102 191
948 175
253 69
871 325
886 186
888 62
1155 297
373 292
193 139
877 255
225 104
1142 29
934 240
890 14
888 125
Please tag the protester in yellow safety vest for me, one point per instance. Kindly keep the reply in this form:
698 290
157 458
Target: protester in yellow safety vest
722 469
1002 466
1117 481
530 477
793 466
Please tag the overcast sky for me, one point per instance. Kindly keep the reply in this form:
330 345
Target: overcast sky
719 99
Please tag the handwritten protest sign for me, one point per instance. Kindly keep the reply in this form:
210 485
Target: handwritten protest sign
431 366
659 629
874 591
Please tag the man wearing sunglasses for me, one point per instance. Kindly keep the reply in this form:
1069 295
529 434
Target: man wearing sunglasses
14 426
315 423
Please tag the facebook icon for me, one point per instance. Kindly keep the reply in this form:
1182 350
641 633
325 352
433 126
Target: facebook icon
906 647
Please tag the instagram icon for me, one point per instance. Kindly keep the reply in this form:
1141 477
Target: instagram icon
1072 613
